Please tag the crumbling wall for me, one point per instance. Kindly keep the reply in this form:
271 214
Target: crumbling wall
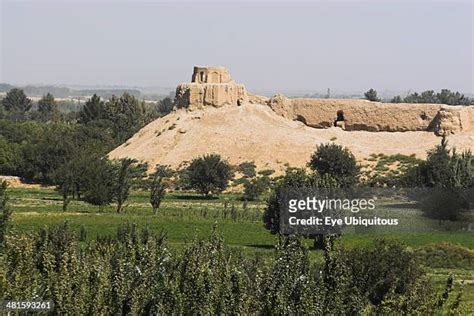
362 115
210 86
211 75
454 119
213 86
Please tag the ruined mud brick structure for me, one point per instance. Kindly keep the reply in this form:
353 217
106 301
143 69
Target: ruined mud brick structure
213 86
210 86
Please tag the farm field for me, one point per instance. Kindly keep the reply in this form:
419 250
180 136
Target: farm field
184 216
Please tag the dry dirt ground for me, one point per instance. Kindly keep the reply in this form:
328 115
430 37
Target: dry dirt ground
254 132
16 182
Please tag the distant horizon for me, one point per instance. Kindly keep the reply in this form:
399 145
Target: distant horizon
303 47
166 90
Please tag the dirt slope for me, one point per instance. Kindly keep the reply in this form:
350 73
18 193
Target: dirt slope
254 132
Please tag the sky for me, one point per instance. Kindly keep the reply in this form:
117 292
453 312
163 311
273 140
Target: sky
267 45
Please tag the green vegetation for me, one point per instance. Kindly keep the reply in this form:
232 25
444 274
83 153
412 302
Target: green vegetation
450 177
446 255
5 212
388 171
128 174
336 161
209 174
135 272
371 95
48 109
185 215
157 183
256 187
294 178
16 103
71 239
445 96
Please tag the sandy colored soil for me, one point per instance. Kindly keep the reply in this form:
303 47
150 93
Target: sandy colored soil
254 132
15 182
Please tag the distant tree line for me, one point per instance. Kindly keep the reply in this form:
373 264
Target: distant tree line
44 145
445 96
64 92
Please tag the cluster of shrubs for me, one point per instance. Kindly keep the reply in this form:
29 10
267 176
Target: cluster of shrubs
445 96
136 273
446 255
35 138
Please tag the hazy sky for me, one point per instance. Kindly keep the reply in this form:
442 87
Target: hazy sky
275 46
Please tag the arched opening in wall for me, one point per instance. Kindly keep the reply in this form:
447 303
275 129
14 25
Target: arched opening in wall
202 76
339 118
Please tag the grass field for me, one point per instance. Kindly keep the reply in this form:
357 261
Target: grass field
184 216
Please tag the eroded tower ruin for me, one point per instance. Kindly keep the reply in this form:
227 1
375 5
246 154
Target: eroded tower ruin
210 86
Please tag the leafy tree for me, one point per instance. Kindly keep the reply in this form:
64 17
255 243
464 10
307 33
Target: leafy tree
445 96
5 211
248 169
437 165
165 106
16 102
123 116
100 182
48 108
93 110
371 95
128 174
450 177
10 157
256 187
452 98
157 185
293 178
209 174
336 161
396 99
135 273
69 177
126 115
444 169
65 179
428 96
53 147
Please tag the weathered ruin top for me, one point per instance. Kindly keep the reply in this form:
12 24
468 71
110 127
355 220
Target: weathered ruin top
214 87
205 74
210 86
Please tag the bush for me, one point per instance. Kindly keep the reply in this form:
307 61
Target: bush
16 102
248 169
293 178
136 274
254 188
5 212
446 255
371 95
336 161
209 174
157 183
99 183
450 177
445 96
